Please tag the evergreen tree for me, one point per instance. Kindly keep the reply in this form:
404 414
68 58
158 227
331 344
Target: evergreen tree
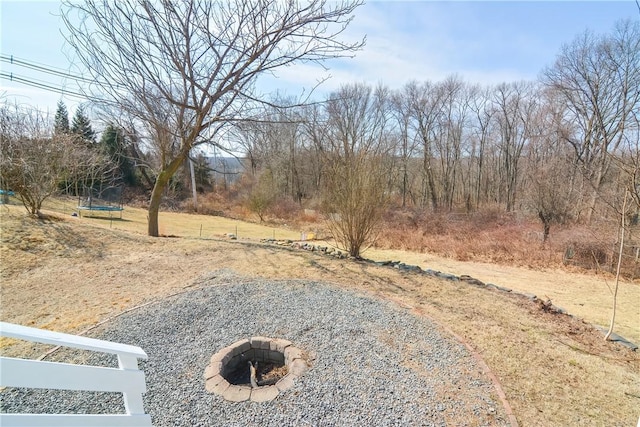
81 126
113 143
202 171
61 119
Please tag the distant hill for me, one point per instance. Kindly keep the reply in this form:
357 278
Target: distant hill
228 169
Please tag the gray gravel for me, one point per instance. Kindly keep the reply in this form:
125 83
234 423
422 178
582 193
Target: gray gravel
375 363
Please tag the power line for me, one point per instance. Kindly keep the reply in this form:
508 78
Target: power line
41 85
42 68
39 81
36 63
51 70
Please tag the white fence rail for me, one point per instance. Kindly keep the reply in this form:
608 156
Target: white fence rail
127 379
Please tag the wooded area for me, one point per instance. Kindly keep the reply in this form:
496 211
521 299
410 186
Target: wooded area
564 149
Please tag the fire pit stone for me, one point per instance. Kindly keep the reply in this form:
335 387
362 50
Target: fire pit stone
256 369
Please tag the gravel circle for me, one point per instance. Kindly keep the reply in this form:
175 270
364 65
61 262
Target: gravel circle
373 362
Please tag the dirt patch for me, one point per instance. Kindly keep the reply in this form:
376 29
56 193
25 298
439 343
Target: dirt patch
555 370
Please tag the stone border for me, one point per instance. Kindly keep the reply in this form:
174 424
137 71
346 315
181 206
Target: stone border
544 304
260 348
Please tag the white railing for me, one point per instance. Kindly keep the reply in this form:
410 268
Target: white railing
127 379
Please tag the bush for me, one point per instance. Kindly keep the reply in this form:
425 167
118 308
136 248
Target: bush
284 208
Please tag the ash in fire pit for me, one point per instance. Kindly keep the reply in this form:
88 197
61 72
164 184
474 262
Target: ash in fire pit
258 368
257 374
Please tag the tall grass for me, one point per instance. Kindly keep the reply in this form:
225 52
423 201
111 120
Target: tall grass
494 236
489 235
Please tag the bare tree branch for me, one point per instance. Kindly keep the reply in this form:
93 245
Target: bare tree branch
186 69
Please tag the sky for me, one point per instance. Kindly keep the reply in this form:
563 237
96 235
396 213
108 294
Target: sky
482 42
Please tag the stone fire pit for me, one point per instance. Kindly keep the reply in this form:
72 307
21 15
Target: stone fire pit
255 369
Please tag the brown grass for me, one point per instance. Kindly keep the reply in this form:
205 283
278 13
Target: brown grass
587 296
176 223
507 238
70 273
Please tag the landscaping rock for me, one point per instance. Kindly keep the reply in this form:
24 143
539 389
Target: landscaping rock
358 376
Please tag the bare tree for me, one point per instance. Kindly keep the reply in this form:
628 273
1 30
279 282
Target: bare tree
274 141
315 133
629 161
623 215
262 194
549 172
356 149
34 160
401 111
513 103
186 69
451 123
599 80
425 104
481 110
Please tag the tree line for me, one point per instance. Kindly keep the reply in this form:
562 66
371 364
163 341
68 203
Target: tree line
564 147
41 157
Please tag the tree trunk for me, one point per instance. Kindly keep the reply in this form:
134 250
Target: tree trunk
194 189
156 194
597 185
404 184
615 290
593 198
154 203
546 224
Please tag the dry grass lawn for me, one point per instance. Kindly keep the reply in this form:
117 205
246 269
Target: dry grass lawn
68 274
588 296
